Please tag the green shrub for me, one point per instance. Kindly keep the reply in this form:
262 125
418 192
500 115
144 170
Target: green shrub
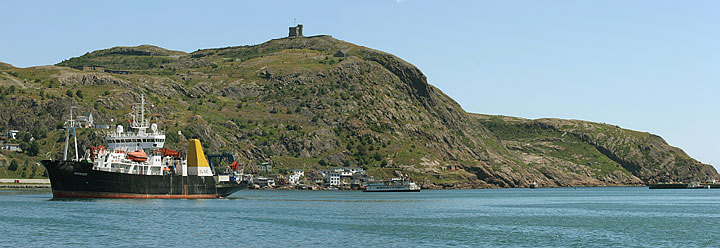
33 149
13 165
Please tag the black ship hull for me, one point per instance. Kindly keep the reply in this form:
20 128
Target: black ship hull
70 179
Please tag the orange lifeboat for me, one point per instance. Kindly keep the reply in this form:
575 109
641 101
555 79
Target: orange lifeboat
137 156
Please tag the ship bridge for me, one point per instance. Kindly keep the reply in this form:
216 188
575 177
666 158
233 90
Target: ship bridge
138 137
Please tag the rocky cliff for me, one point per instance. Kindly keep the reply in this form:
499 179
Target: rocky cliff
301 103
590 153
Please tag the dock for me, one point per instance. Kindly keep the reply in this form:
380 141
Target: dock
6 183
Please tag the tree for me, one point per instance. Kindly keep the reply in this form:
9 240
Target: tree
25 136
33 149
39 133
69 93
13 165
79 93
33 171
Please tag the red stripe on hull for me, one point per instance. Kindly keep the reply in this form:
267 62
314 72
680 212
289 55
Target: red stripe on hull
84 194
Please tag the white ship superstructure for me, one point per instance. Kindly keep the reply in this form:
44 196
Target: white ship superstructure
140 151
138 137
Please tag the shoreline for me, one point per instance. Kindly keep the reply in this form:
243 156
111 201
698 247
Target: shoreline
47 186
296 188
42 184
25 186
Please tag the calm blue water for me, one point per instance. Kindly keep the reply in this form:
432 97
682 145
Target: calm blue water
635 217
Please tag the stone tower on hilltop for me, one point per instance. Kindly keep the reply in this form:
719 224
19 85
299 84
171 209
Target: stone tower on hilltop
296 31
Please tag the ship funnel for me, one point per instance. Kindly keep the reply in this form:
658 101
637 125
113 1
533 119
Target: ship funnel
196 162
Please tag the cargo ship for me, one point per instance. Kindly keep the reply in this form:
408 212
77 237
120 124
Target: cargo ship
135 164
391 185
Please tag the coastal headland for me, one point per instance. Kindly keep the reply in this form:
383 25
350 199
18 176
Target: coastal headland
316 103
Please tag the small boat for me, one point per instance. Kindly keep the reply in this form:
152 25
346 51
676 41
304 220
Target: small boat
391 185
533 185
137 156
678 185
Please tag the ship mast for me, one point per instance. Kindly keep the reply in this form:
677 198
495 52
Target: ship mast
70 124
141 125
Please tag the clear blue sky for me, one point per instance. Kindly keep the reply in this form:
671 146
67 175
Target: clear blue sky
646 65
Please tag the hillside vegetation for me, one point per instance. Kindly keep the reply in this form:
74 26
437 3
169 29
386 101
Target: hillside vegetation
292 102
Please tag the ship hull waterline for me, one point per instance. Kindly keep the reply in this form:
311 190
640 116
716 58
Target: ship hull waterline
70 179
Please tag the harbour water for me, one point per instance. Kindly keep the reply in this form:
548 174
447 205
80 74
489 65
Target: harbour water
582 217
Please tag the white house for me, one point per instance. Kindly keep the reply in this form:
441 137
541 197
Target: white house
356 170
297 172
13 134
346 173
86 121
264 181
333 179
11 147
324 173
266 167
294 179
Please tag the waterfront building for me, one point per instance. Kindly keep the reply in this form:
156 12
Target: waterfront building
294 179
332 179
264 181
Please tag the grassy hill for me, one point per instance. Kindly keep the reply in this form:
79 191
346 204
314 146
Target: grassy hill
292 102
